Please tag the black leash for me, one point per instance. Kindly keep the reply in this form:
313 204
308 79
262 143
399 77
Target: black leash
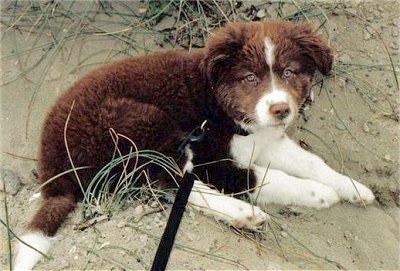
174 220
167 240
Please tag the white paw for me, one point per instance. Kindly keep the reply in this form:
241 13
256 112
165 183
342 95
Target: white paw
26 257
247 216
356 192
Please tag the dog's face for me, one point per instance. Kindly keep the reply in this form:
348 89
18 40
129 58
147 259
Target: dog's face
262 72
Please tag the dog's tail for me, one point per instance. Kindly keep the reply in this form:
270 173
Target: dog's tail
44 225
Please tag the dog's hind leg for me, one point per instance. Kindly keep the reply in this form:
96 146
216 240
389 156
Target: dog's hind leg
90 145
51 214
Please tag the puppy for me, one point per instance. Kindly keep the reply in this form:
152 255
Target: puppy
248 84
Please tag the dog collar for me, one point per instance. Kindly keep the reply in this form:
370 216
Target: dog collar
198 134
240 131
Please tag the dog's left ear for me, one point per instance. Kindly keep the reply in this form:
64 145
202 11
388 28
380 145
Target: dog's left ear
307 38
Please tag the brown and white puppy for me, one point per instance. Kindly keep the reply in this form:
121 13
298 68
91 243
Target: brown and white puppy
248 83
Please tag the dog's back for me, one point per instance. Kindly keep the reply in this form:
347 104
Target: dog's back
137 98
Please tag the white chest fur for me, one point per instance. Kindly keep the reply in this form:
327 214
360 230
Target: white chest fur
245 150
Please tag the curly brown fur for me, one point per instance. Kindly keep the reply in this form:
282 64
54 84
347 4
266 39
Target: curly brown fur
157 99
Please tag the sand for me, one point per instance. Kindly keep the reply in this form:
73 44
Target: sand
353 125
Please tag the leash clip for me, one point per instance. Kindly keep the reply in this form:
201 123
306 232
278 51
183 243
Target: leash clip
196 135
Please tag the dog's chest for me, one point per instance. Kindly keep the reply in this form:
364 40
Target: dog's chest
246 149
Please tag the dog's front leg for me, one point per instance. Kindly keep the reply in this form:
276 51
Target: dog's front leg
275 186
235 212
211 202
284 154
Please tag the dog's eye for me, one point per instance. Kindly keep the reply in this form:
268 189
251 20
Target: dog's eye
251 78
287 73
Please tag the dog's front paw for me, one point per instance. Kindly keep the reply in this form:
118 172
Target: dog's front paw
356 192
248 217
318 196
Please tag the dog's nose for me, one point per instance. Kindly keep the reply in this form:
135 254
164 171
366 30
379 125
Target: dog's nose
280 110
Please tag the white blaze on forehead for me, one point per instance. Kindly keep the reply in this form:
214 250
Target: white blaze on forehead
273 95
269 52
270 58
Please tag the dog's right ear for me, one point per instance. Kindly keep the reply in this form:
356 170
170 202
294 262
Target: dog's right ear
223 48
218 51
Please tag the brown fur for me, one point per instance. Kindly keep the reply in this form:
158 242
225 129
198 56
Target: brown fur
156 100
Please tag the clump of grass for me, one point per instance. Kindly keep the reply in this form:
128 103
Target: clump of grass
110 188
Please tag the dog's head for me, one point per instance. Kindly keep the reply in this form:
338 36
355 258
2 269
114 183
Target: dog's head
262 72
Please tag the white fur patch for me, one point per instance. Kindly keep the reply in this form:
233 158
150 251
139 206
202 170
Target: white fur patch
35 196
246 150
26 257
269 51
270 58
188 167
274 95
233 211
275 186
312 174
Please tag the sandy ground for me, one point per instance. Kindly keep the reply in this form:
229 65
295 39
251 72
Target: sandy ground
353 125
